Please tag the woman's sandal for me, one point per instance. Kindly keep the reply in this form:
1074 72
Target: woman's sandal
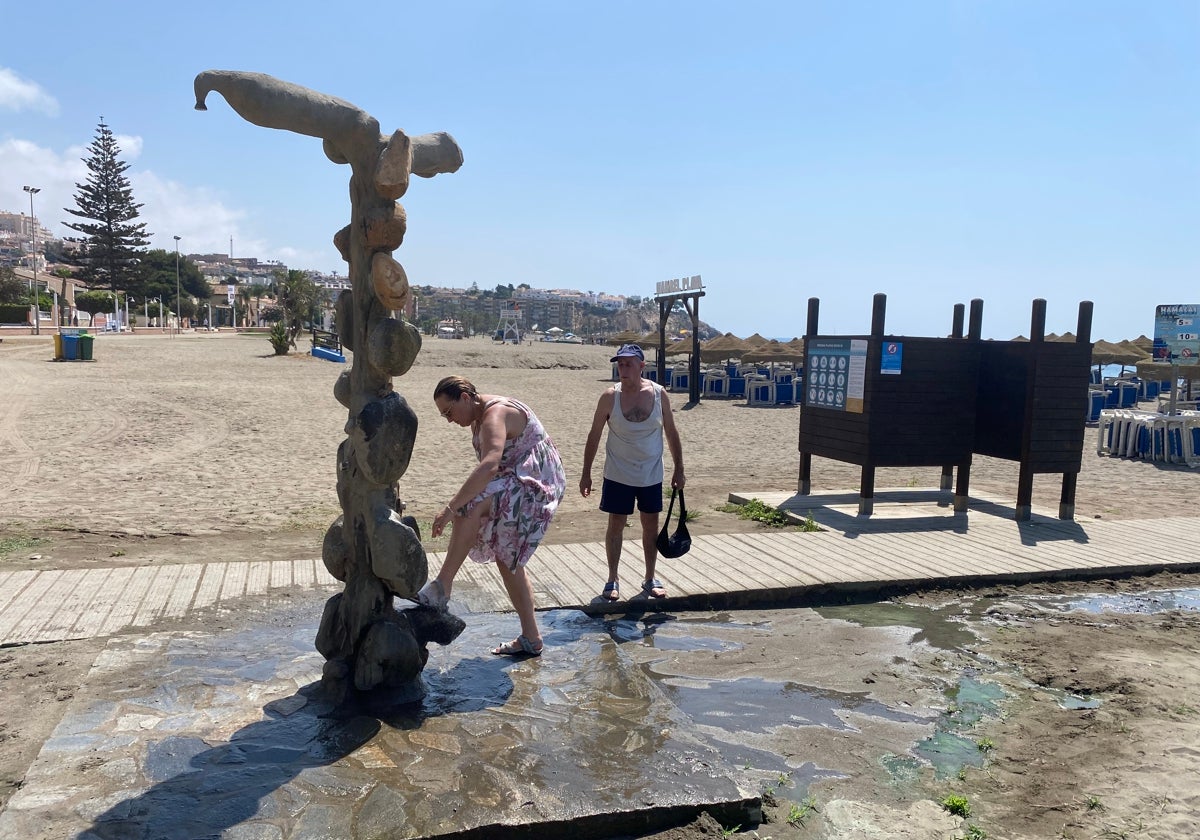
433 595
612 591
520 646
654 589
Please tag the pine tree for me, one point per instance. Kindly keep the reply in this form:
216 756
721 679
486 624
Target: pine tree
111 235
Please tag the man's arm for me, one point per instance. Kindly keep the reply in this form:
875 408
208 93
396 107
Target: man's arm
604 408
671 433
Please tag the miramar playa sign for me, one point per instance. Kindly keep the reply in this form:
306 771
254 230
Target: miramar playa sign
680 286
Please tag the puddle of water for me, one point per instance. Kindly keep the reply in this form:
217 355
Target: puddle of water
1073 701
902 768
972 700
662 642
755 705
1146 603
667 633
949 752
937 627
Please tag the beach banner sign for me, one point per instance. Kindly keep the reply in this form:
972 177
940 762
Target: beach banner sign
1177 333
681 285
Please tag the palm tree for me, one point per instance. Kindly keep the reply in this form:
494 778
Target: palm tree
245 294
297 295
258 290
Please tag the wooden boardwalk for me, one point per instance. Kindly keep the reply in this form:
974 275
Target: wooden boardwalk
913 539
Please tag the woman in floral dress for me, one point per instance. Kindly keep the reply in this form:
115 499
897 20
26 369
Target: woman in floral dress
504 507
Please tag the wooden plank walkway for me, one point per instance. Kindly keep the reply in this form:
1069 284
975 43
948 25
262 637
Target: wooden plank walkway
913 539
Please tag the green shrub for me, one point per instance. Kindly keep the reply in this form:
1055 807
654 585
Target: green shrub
278 336
761 512
14 313
957 805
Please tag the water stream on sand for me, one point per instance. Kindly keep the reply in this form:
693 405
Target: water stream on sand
743 712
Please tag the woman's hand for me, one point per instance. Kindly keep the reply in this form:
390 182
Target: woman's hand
441 521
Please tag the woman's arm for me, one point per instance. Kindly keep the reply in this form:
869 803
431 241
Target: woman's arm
493 432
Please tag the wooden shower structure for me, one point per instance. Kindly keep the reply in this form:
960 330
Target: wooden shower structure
881 400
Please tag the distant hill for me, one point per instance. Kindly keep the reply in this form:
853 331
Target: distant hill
644 319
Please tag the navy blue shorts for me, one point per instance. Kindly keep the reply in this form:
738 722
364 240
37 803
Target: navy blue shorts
618 498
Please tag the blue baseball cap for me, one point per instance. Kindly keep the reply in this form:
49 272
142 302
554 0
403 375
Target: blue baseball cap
629 351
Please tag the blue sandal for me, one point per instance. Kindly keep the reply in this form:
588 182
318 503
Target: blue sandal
612 591
650 586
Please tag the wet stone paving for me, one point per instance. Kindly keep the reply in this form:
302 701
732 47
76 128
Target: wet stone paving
205 734
624 725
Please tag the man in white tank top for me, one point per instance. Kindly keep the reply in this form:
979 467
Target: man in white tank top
638 415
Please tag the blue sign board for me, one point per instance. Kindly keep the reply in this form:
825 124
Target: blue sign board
1177 333
892 359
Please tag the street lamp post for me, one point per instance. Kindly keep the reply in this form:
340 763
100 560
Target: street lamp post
37 328
177 310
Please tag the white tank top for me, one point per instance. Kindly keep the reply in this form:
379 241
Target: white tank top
633 452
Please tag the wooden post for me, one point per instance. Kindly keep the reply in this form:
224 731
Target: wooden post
664 309
1037 334
1083 335
962 488
866 491
956 331
804 484
694 362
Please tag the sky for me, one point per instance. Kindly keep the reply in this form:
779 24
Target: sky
935 152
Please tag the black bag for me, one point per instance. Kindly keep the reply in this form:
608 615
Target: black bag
677 544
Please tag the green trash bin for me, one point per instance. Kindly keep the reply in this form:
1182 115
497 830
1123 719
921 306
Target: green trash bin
70 347
85 346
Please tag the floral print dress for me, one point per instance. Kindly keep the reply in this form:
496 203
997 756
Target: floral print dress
526 492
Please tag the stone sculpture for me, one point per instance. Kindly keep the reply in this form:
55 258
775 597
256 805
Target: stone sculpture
371 548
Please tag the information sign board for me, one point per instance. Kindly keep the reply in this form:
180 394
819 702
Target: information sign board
835 376
1177 333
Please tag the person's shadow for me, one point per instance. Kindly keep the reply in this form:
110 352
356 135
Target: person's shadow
200 790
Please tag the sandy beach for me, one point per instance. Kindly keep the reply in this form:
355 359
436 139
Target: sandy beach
211 433
208 447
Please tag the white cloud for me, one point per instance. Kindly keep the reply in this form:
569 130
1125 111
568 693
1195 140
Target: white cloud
130 146
197 215
194 214
17 94
204 224
169 208
54 174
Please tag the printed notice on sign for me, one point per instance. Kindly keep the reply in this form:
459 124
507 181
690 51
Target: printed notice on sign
836 373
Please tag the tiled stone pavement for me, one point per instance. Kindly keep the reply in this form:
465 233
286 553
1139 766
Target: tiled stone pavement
194 734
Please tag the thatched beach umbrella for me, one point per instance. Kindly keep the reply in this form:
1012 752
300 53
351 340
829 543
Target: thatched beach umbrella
1161 371
796 345
682 347
623 337
1108 353
723 347
753 341
773 351
1137 347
